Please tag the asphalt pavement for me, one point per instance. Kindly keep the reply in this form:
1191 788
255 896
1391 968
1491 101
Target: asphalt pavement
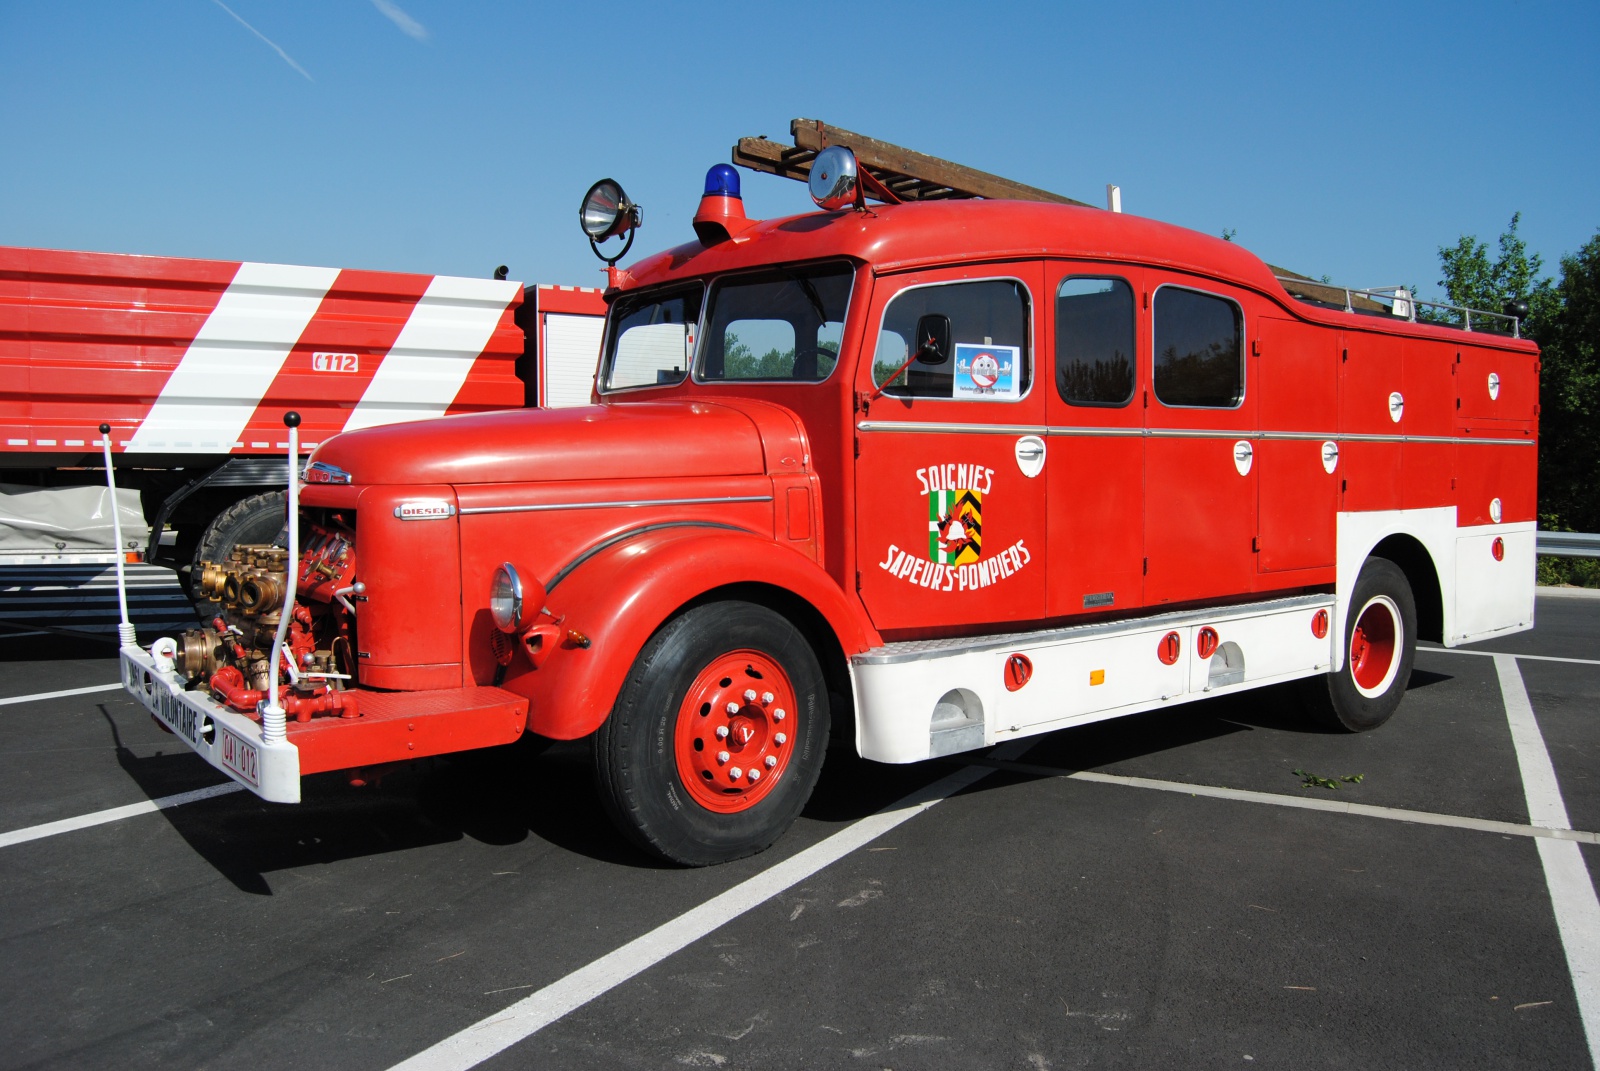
1179 910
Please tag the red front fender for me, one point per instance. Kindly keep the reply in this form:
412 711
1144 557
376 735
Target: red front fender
620 596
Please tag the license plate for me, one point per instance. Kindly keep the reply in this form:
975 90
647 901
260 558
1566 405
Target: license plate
240 757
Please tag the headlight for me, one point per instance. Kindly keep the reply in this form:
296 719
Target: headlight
505 599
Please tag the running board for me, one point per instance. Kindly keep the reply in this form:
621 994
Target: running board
924 698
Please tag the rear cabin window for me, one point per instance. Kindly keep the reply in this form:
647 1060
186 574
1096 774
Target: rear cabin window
989 358
1094 341
783 325
652 338
1199 356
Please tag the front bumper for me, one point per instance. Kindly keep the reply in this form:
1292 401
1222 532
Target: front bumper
225 738
392 727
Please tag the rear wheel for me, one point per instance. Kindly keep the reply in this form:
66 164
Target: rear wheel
717 736
1380 643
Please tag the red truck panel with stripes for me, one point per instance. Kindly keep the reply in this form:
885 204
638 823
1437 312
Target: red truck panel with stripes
203 357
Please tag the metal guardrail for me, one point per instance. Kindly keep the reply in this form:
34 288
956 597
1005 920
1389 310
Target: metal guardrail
1569 544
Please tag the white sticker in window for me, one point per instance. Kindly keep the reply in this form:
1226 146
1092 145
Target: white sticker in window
987 373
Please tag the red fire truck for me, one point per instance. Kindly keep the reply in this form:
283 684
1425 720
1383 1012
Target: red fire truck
934 475
192 362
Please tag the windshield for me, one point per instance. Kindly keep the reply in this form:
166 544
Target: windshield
776 325
652 337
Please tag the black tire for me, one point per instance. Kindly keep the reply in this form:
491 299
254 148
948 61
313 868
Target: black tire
639 754
258 519
1364 693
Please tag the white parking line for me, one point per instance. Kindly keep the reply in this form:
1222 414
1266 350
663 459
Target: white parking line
1507 654
115 814
1306 803
36 696
500 1031
1572 895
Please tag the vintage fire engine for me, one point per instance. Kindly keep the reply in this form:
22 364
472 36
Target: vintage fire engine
933 475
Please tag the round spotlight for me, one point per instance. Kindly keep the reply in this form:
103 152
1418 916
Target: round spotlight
835 178
505 598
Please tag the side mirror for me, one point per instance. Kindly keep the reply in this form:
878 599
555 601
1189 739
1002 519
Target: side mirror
933 339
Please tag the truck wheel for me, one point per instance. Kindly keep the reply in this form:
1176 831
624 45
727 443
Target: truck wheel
257 519
717 736
1380 637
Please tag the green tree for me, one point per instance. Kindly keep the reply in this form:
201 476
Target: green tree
1473 281
1569 395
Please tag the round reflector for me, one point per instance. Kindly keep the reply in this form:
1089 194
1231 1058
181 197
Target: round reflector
1498 549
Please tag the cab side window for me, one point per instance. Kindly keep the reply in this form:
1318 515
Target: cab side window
1199 352
989 357
1095 341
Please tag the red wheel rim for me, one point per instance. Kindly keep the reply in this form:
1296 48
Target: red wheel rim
1374 641
736 731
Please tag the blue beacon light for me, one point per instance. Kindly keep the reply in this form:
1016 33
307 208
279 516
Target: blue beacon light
721 213
722 181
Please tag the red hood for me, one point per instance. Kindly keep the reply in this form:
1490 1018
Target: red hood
598 442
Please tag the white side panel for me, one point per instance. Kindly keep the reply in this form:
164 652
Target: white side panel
1358 533
1274 647
233 360
571 352
1104 674
429 361
1493 597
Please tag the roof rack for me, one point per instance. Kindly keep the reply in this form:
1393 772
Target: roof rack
1394 300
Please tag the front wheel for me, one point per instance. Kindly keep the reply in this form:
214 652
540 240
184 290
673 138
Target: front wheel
1380 636
717 736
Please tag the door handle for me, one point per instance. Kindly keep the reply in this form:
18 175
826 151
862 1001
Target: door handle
1030 455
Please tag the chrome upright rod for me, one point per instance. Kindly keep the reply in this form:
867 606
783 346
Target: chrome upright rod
274 720
126 635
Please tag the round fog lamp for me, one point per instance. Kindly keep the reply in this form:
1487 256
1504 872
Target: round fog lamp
505 599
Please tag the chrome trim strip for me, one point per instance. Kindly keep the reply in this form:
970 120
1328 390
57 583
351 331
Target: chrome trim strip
543 507
921 650
621 537
940 428
1110 433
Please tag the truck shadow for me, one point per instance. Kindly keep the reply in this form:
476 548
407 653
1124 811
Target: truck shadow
539 794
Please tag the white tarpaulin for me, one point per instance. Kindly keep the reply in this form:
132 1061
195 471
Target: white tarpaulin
66 519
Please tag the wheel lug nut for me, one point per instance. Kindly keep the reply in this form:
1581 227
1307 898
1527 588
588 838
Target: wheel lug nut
780 739
755 775
735 773
767 698
772 760
722 756
749 695
722 732
779 715
733 708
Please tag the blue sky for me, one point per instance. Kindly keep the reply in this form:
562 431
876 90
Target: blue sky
1351 140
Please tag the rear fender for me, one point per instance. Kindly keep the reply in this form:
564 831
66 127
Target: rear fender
617 599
